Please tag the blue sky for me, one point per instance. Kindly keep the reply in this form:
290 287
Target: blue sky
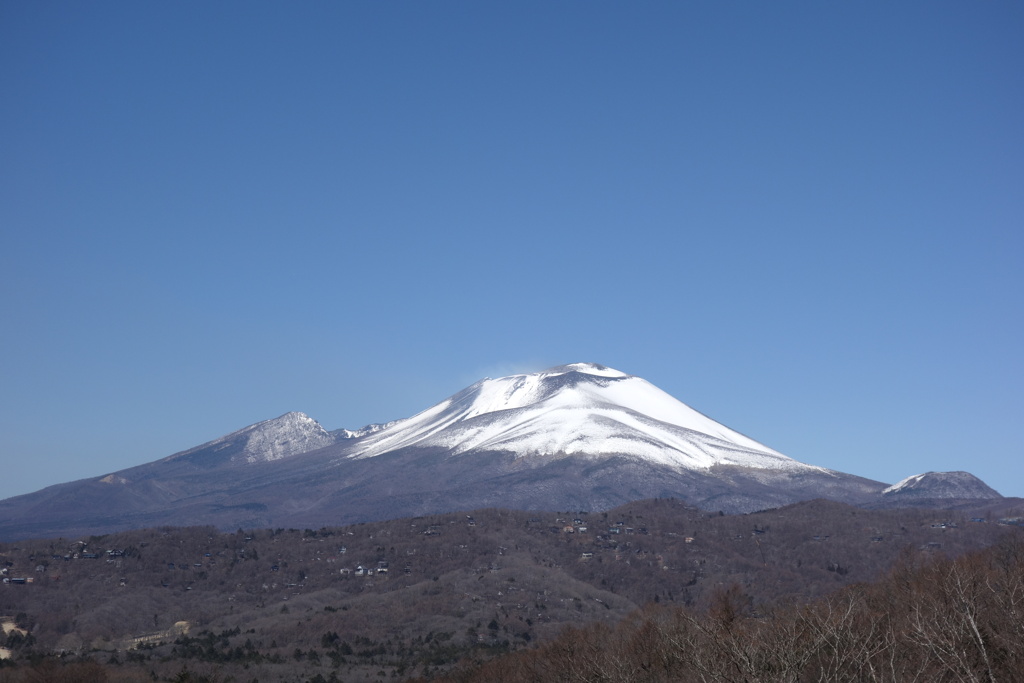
802 219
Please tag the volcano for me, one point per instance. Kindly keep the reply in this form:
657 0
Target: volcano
574 437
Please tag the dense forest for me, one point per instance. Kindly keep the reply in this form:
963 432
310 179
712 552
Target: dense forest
443 595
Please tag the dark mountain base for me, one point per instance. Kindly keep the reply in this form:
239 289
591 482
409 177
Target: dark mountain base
321 489
413 596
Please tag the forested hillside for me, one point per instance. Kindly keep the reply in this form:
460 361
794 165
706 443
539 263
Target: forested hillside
940 619
413 597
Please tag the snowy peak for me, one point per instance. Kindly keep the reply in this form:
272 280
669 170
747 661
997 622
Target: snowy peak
941 485
282 437
577 409
285 436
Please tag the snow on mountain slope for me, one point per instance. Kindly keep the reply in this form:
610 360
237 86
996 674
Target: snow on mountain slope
581 408
290 434
364 431
281 437
907 483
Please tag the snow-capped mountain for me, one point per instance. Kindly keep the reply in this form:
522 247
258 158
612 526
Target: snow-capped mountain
579 409
574 437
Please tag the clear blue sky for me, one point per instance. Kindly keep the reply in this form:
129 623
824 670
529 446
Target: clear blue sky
802 219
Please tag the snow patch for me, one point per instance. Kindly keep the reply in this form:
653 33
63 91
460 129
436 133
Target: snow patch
364 431
909 482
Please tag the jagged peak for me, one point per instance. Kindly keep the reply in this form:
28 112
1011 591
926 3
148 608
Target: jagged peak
290 434
288 419
363 431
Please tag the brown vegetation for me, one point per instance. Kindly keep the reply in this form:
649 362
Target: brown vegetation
291 605
959 619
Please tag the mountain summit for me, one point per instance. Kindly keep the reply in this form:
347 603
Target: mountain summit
582 409
282 437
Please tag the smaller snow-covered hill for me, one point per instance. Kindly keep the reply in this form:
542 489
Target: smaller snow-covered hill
940 485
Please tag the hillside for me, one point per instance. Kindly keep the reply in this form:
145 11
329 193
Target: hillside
282 603
941 619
